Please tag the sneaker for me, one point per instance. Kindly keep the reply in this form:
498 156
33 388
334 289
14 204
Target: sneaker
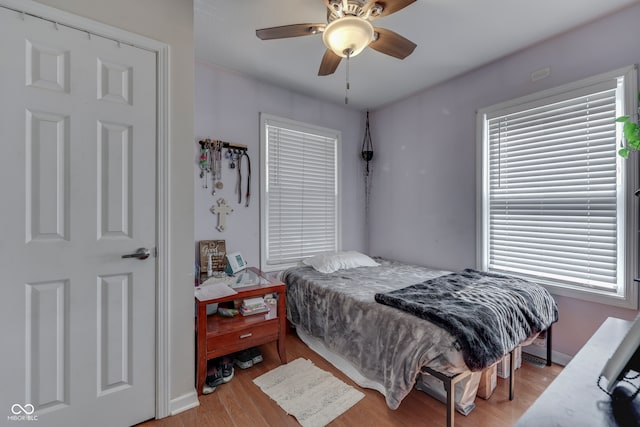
256 356
226 367
243 359
214 377
207 389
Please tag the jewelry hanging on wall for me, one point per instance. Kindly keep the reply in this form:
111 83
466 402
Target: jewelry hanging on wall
219 156
229 156
212 157
218 170
212 154
204 164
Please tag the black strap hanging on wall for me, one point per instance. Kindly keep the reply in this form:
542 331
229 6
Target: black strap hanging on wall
239 182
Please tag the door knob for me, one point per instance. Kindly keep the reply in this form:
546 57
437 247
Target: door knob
140 253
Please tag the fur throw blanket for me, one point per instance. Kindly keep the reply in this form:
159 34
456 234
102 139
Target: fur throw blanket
489 314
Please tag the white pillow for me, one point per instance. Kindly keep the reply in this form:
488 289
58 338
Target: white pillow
329 262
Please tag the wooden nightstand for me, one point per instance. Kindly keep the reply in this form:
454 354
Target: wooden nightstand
218 336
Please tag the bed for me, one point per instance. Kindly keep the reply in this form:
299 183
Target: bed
386 348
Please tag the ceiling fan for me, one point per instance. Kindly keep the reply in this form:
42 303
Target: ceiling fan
349 30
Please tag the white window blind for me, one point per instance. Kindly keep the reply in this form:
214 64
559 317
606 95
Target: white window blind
553 190
555 201
300 214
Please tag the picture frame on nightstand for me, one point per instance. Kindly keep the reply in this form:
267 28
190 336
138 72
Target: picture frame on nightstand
218 251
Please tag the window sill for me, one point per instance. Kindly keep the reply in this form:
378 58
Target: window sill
630 300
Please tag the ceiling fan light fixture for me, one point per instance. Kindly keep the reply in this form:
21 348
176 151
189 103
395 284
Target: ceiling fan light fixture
348 35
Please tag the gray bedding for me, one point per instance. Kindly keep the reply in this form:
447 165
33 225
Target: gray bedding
385 344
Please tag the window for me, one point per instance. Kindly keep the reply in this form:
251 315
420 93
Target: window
299 191
555 205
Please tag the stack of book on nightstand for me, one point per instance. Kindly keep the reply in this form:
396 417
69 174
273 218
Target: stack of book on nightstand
253 306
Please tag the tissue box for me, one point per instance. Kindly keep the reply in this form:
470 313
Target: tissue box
503 368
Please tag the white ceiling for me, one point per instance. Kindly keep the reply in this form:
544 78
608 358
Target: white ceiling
453 36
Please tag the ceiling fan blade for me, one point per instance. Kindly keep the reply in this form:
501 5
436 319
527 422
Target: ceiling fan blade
330 62
392 6
286 31
392 43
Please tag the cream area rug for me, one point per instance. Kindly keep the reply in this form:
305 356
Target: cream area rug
313 396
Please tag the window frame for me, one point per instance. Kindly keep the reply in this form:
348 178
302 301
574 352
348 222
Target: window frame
269 119
627 296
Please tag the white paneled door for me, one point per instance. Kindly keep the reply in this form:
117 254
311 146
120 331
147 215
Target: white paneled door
77 191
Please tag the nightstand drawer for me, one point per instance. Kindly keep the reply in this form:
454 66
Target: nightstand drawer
242 336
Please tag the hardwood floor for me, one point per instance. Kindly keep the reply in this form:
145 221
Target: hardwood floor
240 403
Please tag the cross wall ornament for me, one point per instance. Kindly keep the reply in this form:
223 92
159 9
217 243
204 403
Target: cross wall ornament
222 210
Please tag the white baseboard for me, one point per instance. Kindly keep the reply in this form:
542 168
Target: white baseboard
541 352
183 403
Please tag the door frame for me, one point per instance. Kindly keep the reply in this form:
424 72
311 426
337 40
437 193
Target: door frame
163 247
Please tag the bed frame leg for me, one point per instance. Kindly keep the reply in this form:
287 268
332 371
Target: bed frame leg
549 346
512 373
451 402
450 387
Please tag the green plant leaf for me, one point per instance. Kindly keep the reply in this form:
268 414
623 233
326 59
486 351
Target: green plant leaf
630 130
634 143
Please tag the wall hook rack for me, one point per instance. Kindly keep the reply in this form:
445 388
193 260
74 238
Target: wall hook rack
207 143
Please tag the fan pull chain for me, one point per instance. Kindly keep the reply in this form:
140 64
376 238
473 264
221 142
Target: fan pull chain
346 91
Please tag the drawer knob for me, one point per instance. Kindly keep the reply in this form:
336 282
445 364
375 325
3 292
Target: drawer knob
245 335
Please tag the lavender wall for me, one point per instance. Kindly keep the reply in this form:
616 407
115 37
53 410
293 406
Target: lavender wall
424 183
227 107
